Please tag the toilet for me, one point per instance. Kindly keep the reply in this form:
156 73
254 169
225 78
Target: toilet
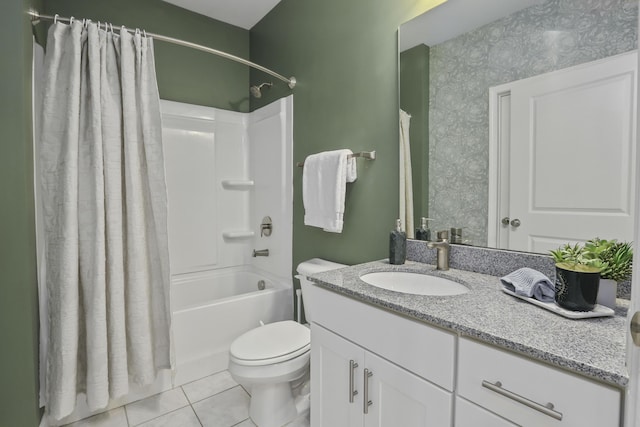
272 361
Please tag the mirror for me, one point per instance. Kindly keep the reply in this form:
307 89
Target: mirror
472 69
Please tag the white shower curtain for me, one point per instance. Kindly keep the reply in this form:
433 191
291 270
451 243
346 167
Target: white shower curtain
104 206
406 179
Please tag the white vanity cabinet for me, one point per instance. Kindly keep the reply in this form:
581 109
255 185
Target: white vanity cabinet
351 386
420 371
529 393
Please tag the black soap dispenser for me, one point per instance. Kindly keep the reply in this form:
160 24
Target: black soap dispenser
423 233
397 245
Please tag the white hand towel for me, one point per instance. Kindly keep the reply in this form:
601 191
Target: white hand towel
324 181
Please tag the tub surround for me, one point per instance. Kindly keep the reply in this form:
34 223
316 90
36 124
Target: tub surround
594 348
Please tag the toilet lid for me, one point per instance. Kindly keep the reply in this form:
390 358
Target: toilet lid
271 341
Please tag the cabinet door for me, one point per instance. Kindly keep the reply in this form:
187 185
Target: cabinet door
470 415
399 398
330 371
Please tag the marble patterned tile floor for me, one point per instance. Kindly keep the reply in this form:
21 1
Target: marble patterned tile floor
213 401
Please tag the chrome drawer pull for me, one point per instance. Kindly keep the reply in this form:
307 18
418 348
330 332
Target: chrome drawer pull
545 409
352 367
366 402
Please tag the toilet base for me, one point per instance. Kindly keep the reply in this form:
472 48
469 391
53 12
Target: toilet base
272 405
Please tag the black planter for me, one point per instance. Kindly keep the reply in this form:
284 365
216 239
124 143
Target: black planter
576 290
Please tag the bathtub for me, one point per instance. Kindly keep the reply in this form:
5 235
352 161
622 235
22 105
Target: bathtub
210 309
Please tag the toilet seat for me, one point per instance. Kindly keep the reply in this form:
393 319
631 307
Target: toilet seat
273 343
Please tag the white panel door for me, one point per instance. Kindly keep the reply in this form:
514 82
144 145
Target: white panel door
330 388
399 398
572 155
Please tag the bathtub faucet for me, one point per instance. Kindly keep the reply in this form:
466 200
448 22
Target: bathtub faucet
260 252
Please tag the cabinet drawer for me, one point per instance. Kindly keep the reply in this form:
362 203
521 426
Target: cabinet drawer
424 350
518 389
470 415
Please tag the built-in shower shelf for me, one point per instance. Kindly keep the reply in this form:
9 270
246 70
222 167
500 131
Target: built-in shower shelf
241 234
237 184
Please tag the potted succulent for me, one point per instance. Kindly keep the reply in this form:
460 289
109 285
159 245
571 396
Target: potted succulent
617 258
577 278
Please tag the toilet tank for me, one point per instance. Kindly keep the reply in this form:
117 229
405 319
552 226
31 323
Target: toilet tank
307 268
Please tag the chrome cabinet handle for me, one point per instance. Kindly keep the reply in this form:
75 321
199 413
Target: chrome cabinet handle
545 409
352 367
505 220
515 223
366 401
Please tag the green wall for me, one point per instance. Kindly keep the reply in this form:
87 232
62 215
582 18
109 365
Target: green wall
18 288
414 99
345 57
184 75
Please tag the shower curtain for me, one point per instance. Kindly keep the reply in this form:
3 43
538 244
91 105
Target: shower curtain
104 208
406 178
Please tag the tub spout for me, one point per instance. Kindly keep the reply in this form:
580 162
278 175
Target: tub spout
260 252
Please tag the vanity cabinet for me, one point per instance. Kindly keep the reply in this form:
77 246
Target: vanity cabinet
351 386
418 370
529 393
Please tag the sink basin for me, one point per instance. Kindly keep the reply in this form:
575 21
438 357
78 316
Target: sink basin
414 283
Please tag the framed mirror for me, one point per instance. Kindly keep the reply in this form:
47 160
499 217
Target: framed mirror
523 119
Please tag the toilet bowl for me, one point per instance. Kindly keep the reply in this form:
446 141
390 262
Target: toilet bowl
272 361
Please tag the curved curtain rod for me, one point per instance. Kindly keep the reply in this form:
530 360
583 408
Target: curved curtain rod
37 17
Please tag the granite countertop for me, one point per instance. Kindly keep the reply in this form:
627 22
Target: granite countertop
591 347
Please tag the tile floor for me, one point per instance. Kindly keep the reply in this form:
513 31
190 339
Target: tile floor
213 401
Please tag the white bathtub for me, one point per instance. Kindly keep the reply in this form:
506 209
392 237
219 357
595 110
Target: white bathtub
211 309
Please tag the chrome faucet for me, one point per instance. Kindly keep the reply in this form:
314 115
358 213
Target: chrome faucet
260 252
442 246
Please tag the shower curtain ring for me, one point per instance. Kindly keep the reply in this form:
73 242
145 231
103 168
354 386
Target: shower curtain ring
55 18
144 32
71 20
110 27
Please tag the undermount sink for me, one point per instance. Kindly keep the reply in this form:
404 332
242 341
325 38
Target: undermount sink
414 283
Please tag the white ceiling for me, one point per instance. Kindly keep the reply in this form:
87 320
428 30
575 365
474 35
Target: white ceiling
455 17
241 13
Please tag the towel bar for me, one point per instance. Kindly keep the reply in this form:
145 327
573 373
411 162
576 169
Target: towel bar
369 155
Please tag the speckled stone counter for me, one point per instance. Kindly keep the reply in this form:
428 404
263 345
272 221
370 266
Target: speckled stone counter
591 347
496 262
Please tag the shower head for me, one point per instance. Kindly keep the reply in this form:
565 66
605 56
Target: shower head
256 91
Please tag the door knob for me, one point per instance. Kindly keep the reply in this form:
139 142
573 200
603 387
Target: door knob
505 220
515 223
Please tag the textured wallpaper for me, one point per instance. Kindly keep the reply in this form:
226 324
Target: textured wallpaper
551 36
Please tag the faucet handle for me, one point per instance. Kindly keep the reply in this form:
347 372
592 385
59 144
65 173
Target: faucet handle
443 235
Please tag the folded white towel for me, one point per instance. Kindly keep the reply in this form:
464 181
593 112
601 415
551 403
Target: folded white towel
530 283
324 181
